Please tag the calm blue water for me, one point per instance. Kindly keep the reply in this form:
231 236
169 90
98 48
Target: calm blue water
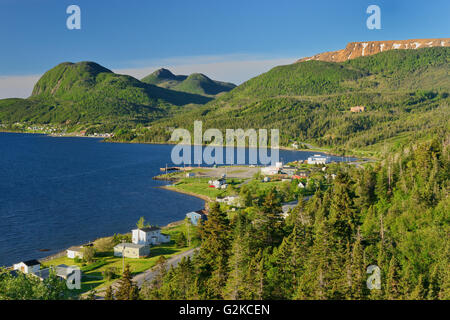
59 192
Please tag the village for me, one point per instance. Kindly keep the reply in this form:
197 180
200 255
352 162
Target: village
101 262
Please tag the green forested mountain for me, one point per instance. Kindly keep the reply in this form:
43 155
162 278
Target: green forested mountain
86 92
196 83
406 94
164 78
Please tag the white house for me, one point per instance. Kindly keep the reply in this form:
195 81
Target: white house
218 184
29 266
318 159
230 200
75 251
150 235
270 170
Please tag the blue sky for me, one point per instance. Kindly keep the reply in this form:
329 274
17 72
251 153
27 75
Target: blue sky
233 40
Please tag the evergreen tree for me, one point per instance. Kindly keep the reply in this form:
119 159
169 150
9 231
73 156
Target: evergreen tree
215 250
269 222
239 260
109 295
418 292
392 281
127 289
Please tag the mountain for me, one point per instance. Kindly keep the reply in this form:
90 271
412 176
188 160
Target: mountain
363 49
88 92
195 83
163 77
405 94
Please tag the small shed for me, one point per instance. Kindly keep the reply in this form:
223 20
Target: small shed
29 266
75 251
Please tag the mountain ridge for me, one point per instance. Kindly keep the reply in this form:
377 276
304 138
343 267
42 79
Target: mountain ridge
367 48
86 92
196 83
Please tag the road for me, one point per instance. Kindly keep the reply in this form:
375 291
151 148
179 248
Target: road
173 261
147 275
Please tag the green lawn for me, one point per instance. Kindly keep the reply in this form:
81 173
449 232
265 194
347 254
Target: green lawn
201 186
93 279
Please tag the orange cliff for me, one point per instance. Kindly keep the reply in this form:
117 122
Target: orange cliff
368 48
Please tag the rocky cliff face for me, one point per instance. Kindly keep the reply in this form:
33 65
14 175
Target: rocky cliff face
361 49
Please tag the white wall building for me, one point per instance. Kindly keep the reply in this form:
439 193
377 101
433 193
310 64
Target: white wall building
270 170
76 251
230 200
30 266
318 159
151 235
219 183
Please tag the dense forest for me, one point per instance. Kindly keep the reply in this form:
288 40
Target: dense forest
393 215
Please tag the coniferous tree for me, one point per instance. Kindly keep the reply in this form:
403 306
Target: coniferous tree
127 289
239 260
109 295
392 281
269 221
215 251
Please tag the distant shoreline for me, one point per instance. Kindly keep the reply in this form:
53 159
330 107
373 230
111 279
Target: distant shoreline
314 149
206 198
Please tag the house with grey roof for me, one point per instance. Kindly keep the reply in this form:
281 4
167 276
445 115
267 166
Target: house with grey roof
131 250
149 235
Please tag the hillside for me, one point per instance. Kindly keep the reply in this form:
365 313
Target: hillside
405 92
361 49
89 93
195 83
164 78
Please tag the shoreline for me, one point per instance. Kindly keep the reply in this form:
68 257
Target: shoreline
104 139
205 198
63 252
169 225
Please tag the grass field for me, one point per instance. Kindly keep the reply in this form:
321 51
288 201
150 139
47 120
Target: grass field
201 186
93 278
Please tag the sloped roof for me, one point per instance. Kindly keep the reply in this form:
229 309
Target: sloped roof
130 245
30 263
148 229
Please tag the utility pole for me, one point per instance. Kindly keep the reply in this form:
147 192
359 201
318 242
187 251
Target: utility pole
189 233
123 256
